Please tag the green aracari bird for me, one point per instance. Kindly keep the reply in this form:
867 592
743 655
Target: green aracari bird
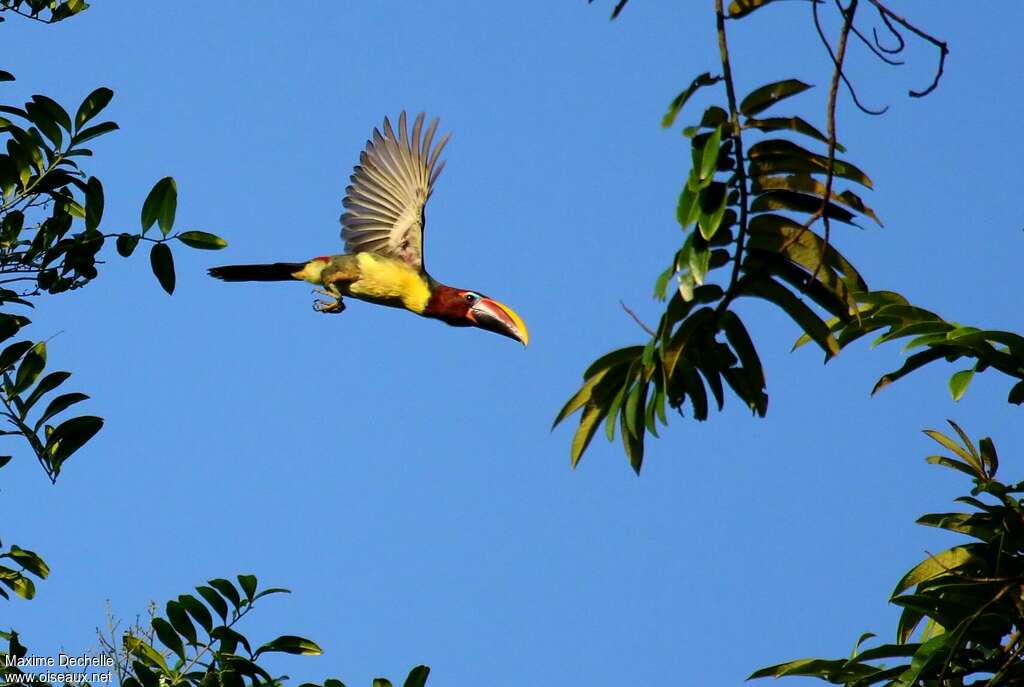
382 229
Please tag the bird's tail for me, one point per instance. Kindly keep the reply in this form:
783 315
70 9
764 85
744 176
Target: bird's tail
278 271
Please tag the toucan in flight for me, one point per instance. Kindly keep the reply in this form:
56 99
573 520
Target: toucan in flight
382 228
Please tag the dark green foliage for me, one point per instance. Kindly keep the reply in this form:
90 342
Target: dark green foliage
962 611
14 578
932 338
186 646
24 386
770 252
51 212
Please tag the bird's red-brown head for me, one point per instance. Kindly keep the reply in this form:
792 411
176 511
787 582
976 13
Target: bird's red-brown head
464 308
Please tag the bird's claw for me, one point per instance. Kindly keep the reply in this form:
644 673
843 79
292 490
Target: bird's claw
332 307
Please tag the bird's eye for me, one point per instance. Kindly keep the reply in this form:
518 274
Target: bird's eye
471 297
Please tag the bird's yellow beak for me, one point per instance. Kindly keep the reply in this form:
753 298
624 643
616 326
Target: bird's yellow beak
496 317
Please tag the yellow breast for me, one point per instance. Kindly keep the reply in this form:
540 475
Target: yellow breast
389 282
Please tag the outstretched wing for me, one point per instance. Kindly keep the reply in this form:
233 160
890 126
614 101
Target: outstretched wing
390 187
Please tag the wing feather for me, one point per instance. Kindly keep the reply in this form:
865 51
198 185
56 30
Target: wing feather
384 203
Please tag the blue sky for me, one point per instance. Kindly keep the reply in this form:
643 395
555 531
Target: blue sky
398 475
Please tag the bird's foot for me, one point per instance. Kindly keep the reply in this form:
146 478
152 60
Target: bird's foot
333 307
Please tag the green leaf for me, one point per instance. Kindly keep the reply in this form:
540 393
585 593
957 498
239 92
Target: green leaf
227 590
709 156
775 156
179 620
687 208
71 435
812 325
661 283
162 263
612 410
699 321
679 101
930 651
57 405
31 365
417 677
168 637
13 353
53 109
741 342
581 397
632 443
633 411
796 124
126 244
144 651
933 566
798 202
713 201
271 590
92 105
202 240
93 203
45 385
197 610
989 457
814 667
589 421
215 601
910 364
290 644
30 561
244 666
958 383
966 452
381 682
766 96
229 639
19 584
45 123
248 584
10 325
700 262
619 356
161 205
93 132
948 462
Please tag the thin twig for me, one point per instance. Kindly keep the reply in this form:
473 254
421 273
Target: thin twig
943 47
838 63
629 311
833 96
900 45
879 53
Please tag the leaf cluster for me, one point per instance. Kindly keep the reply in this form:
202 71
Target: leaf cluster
747 227
24 385
45 190
197 643
963 608
15 579
46 11
931 338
